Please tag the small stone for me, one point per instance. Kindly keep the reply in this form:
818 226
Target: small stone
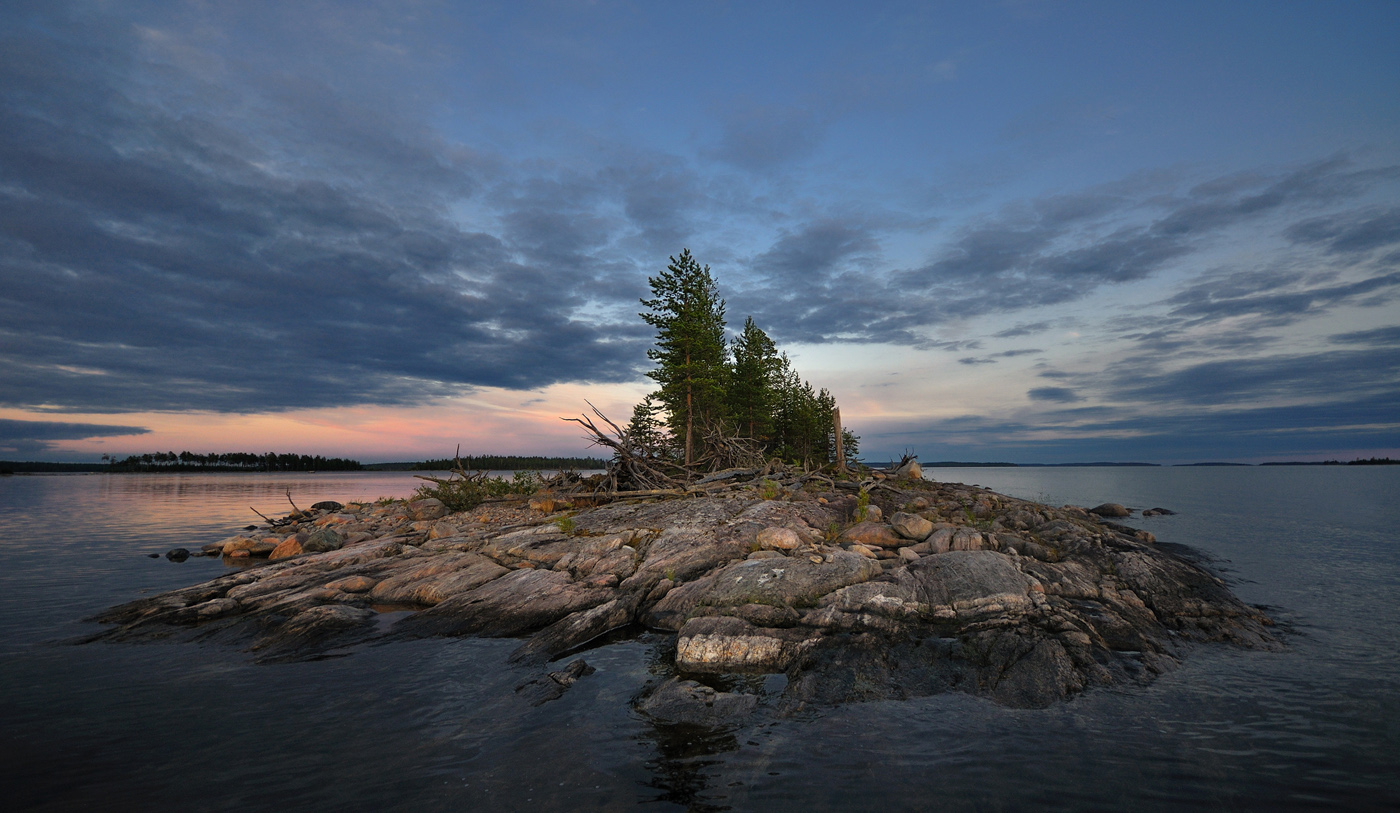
778 539
863 551
815 559
918 504
908 555
153 556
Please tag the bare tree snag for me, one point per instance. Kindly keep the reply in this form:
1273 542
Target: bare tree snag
840 441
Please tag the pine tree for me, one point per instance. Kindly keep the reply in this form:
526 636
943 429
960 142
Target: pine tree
753 379
690 350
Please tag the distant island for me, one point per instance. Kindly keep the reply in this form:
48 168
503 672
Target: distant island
172 462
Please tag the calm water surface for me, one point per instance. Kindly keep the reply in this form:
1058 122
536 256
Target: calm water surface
435 725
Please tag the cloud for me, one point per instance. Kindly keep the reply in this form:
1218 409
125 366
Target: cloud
187 262
813 254
1065 248
1061 395
762 137
19 438
1022 330
1377 336
971 360
1318 378
1352 232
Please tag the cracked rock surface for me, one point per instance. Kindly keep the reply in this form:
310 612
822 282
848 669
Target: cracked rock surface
961 590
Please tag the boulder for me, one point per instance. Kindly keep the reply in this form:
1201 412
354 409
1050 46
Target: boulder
427 509
1110 509
910 471
326 505
778 539
177 554
248 547
286 549
872 535
911 526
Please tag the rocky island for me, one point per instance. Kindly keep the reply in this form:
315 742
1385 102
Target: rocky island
888 589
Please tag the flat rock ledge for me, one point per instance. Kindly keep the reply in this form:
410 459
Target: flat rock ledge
961 589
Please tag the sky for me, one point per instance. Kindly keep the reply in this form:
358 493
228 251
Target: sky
1021 231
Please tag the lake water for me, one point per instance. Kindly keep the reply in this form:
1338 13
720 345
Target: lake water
436 725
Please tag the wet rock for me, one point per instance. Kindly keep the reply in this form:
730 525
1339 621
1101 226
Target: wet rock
911 526
177 554
552 686
1157 512
575 630
313 631
326 505
728 644
1110 509
153 556
692 703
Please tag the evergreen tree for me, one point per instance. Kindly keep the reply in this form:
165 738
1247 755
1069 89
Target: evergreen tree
753 383
690 350
645 434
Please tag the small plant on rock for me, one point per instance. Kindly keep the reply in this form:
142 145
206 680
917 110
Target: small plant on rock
862 505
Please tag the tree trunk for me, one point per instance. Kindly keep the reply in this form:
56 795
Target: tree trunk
689 413
840 444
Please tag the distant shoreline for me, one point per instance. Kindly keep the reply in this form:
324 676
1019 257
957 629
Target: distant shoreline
43 467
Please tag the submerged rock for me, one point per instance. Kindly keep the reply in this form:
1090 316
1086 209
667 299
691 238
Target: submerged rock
685 701
963 590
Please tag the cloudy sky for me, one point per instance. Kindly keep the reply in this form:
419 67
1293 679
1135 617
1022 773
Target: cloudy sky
1027 231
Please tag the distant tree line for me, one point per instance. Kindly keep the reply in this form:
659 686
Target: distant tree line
231 461
743 387
510 462
1368 461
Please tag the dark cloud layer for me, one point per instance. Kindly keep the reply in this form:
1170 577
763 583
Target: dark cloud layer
162 260
21 438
